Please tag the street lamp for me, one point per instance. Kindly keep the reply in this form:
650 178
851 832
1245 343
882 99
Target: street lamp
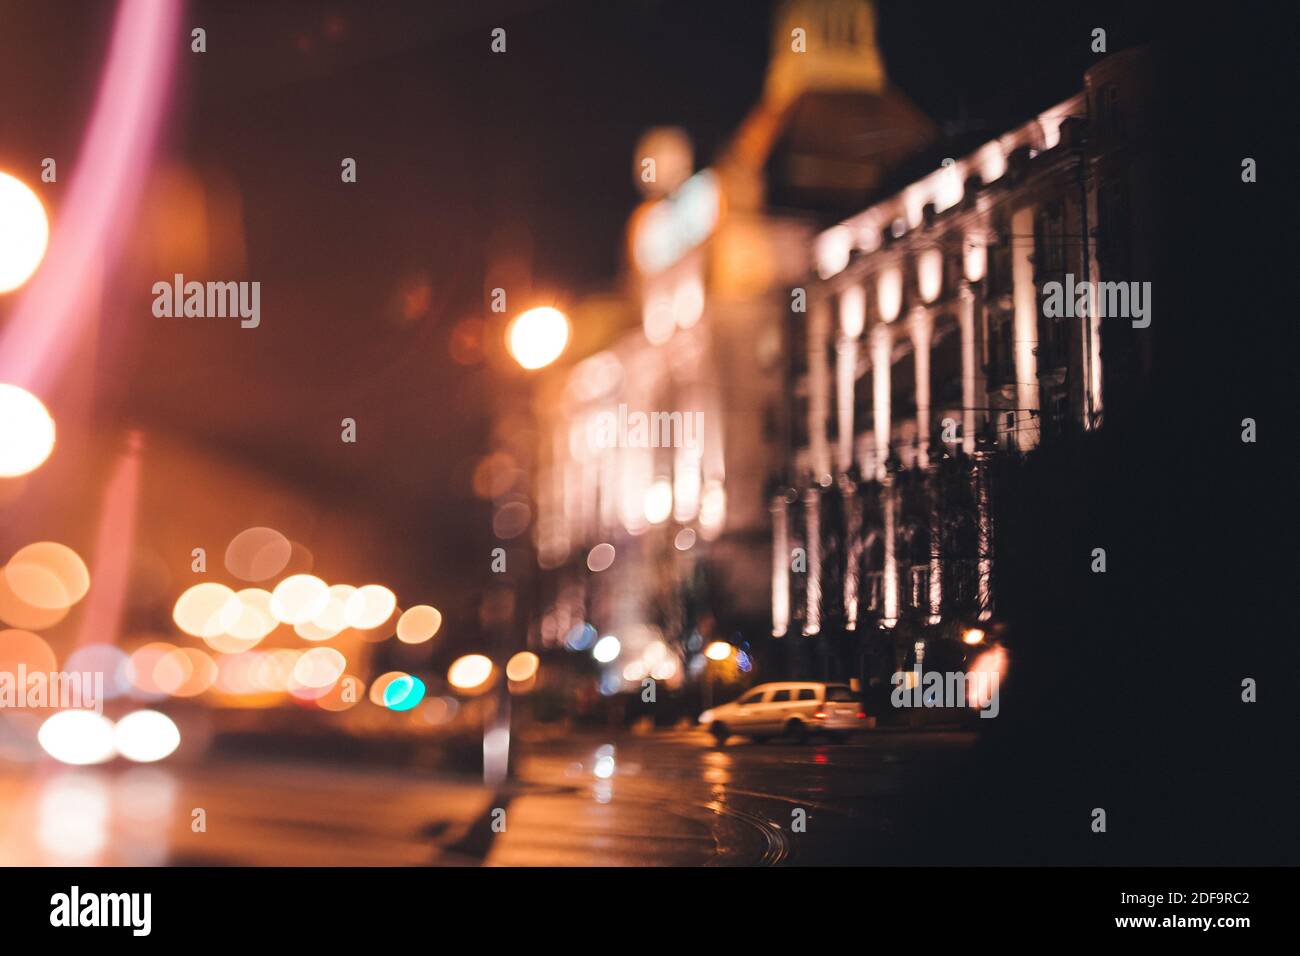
24 233
718 651
26 432
536 338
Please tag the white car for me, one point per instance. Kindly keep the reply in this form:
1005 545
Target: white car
793 709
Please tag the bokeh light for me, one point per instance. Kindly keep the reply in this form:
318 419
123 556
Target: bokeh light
16 612
607 649
141 666
522 666
379 686
469 672
418 624
207 610
718 651
299 598
146 736
255 622
103 659
600 557
538 337
658 503
74 817
185 672
319 667
26 430
25 649
344 695
47 575
370 606
580 637
258 554
984 676
24 232
404 693
511 519
77 737
275 669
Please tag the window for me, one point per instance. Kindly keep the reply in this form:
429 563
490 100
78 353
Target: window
780 695
921 586
1012 443
754 698
1000 343
838 692
807 693
1059 410
1049 239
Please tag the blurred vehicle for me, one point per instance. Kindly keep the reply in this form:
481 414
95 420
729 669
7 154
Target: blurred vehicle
791 709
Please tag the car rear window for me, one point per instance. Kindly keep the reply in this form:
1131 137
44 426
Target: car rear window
838 692
807 693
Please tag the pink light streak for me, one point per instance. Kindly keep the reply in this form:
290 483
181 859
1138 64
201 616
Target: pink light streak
106 183
102 619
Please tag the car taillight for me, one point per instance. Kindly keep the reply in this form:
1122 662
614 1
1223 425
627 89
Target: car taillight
820 715
862 714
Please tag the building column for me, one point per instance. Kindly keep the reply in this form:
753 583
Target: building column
1024 298
969 364
812 500
1091 321
818 387
853 318
889 575
852 551
922 326
882 347
846 365
780 567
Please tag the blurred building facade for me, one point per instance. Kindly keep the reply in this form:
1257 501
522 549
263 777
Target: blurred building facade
931 356
657 452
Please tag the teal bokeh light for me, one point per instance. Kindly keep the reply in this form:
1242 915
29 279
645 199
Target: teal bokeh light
404 693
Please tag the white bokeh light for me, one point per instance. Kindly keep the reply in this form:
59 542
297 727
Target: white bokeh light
24 232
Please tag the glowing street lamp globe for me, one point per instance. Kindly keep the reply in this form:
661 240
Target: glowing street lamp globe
24 233
718 651
536 338
26 432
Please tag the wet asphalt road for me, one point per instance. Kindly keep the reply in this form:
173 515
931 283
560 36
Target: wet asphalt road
667 799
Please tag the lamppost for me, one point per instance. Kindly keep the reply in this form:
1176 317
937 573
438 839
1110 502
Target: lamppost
535 339
717 651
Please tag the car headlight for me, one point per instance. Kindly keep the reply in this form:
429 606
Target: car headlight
706 717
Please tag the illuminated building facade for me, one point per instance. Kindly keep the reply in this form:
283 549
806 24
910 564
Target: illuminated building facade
927 361
661 443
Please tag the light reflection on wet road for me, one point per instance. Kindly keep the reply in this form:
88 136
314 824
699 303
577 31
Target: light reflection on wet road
590 801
